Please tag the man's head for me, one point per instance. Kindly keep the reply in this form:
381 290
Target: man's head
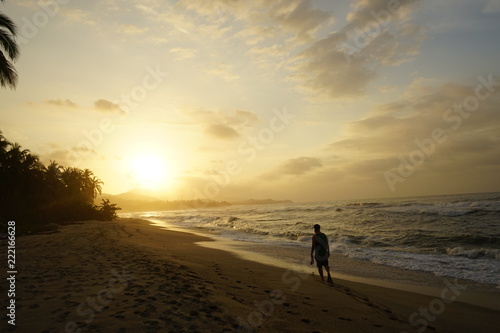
317 227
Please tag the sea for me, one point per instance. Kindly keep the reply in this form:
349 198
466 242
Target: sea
455 236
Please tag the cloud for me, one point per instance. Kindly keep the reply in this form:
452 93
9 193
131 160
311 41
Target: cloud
327 74
235 117
298 17
70 156
223 124
104 105
454 149
241 117
130 29
430 125
183 53
300 165
62 103
222 70
342 64
157 40
221 131
270 58
492 6
294 167
78 16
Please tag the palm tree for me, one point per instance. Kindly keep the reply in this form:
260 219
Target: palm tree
72 183
92 186
21 179
4 145
53 181
8 74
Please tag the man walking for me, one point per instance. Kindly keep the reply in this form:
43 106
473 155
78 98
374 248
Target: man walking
320 251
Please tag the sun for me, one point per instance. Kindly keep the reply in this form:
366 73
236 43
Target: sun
150 171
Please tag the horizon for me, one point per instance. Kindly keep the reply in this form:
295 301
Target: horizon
281 200
299 100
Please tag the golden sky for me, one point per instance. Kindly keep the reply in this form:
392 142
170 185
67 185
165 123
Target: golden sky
286 99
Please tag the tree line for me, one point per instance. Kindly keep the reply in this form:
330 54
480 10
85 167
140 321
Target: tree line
33 194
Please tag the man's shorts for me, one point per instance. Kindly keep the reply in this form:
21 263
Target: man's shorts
322 263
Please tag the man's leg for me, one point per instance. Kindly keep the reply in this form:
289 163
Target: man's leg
328 271
320 271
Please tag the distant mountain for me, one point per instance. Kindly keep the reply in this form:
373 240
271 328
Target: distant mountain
139 200
138 194
134 201
261 202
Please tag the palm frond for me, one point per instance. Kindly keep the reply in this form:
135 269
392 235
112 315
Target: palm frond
9 45
8 74
7 23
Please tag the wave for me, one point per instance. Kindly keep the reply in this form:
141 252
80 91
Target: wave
462 267
430 241
474 253
457 237
474 240
361 204
434 210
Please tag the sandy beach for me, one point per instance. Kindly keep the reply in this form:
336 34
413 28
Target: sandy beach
131 276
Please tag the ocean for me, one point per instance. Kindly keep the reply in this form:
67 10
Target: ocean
455 236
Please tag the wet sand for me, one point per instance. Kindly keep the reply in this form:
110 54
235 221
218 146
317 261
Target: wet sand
130 276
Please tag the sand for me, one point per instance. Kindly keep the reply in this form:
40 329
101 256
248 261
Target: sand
130 276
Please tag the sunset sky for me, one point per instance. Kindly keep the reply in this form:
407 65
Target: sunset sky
295 99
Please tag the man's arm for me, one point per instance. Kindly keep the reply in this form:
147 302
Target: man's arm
328 248
313 247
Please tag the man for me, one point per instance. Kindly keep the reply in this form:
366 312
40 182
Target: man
320 251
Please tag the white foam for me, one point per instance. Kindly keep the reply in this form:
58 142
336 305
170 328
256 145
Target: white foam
474 253
480 270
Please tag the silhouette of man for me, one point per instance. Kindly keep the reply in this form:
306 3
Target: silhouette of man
320 251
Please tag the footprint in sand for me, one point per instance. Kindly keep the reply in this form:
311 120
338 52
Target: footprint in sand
62 317
152 324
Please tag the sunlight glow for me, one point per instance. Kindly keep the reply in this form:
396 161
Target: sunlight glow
150 171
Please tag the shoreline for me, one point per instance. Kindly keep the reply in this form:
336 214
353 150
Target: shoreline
341 266
477 294
168 283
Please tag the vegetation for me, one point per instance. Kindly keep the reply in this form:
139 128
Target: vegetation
30 193
9 52
138 205
33 194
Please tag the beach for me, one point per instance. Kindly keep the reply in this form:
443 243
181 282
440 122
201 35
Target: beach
132 276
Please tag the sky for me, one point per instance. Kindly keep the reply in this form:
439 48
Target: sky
307 100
